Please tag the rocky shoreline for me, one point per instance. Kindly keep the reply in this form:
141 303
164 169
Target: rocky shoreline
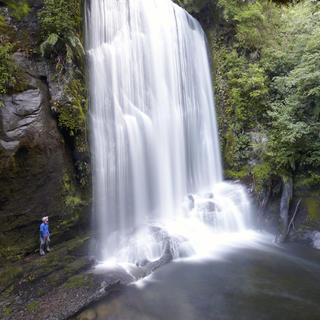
64 282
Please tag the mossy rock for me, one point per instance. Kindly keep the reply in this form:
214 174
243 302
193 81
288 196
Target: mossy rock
10 275
312 205
242 173
33 306
79 281
7 310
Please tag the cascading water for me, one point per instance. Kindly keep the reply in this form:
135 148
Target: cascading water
153 132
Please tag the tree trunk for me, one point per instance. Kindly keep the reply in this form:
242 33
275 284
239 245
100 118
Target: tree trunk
284 207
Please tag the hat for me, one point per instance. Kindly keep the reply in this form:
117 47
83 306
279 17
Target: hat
45 218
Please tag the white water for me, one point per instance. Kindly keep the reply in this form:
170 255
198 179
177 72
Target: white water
153 134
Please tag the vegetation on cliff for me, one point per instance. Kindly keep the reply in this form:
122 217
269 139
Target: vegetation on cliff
266 60
9 73
61 33
267 82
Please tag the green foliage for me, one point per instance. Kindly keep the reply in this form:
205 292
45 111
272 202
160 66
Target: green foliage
72 198
7 310
313 207
7 69
17 9
62 17
247 88
193 6
295 105
268 80
72 115
238 148
240 173
60 22
10 275
49 43
33 306
262 174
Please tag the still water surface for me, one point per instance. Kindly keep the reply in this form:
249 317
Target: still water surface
254 282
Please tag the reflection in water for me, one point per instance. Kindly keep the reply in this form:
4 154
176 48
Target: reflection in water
257 282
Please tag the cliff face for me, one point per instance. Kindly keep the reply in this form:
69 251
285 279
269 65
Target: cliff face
40 161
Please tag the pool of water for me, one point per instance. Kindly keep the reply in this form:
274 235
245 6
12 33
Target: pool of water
253 282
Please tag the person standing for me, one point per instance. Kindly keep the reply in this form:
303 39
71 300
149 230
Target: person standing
44 236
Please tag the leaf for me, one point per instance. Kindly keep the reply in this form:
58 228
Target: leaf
48 43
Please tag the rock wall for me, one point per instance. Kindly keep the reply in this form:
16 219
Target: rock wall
38 171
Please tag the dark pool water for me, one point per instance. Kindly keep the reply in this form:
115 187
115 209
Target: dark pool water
246 283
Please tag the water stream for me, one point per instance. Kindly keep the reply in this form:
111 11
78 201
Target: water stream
250 282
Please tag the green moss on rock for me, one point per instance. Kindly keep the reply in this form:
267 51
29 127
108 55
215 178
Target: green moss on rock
7 310
9 275
261 174
236 174
312 205
79 281
33 306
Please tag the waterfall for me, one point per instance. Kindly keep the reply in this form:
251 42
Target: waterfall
154 136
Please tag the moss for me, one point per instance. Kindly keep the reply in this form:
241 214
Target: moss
8 292
229 147
7 310
312 205
41 291
7 68
76 244
77 266
54 280
33 306
51 260
9 253
261 174
73 202
307 179
72 114
10 274
78 281
30 277
242 173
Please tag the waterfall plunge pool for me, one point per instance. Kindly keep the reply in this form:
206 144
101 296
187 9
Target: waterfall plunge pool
257 281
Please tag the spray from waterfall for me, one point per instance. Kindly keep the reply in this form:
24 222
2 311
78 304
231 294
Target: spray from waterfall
155 150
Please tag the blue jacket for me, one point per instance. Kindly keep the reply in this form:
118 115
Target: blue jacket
44 228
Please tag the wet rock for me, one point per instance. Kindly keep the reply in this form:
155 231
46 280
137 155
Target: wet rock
190 202
21 117
208 195
206 206
142 263
87 315
103 311
314 236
